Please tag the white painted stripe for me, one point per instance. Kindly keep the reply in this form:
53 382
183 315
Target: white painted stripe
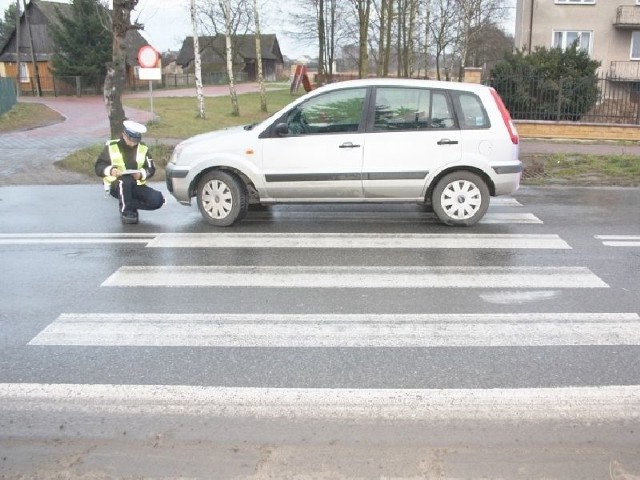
384 217
76 235
355 240
619 240
621 244
338 330
65 238
618 237
354 277
33 241
504 202
528 404
510 218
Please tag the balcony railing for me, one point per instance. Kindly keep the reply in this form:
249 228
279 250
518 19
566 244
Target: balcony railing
625 71
628 17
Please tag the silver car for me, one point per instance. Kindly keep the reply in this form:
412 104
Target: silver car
444 144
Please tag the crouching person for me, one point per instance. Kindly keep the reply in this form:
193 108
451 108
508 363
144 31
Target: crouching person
125 165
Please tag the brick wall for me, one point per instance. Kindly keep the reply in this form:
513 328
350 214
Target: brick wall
583 131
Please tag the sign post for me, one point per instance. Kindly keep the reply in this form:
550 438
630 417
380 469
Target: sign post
150 69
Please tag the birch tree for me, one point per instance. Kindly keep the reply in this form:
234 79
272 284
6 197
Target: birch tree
259 75
226 9
198 62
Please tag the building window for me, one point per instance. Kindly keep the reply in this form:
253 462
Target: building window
635 45
24 73
564 39
580 2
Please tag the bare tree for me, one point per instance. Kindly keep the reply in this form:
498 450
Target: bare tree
475 18
444 19
198 62
322 22
115 79
259 75
226 8
363 11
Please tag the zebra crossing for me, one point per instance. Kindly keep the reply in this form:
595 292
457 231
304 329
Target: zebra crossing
340 330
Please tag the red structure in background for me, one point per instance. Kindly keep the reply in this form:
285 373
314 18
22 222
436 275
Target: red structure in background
300 76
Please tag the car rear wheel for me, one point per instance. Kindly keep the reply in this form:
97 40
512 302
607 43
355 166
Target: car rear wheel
222 198
460 198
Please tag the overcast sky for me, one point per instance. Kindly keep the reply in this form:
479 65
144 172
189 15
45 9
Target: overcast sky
167 23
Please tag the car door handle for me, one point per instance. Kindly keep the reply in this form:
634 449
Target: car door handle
349 145
446 141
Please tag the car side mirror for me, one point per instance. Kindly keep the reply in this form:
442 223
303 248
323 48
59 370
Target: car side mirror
281 129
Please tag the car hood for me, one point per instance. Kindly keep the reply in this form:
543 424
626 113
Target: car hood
232 139
216 135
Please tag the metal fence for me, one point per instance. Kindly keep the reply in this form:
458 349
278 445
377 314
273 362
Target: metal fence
605 99
179 80
7 94
85 85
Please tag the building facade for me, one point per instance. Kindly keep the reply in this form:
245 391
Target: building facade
35 49
608 30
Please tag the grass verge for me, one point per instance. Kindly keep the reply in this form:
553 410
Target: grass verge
581 170
25 116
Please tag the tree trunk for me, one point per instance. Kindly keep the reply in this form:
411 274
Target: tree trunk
321 41
115 79
381 37
387 53
259 75
235 108
198 63
363 7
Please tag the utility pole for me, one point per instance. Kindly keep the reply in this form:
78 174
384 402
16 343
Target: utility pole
34 64
18 87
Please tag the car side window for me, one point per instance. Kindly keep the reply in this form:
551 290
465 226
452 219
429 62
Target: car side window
399 108
333 112
471 112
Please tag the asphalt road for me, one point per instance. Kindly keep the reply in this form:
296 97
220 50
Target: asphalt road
320 341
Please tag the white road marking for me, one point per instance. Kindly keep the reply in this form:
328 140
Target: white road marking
378 217
355 240
503 201
510 218
518 297
620 240
527 404
64 238
341 330
354 277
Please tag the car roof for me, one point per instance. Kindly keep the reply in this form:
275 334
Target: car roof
403 82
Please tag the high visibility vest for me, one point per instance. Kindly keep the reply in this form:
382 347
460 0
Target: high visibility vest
117 160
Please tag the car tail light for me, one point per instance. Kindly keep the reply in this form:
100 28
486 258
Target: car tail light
506 116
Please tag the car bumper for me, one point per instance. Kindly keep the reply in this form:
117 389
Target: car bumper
178 183
506 177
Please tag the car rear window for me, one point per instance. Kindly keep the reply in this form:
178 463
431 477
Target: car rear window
471 112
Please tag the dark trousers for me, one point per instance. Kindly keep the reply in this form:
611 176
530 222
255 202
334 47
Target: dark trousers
134 197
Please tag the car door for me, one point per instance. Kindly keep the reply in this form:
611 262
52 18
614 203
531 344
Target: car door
413 132
321 155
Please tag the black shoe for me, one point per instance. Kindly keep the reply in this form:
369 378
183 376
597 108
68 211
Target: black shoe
129 217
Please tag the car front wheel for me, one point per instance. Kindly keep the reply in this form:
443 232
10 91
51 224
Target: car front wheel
222 198
460 198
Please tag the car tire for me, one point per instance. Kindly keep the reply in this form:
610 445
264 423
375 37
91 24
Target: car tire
460 199
222 198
